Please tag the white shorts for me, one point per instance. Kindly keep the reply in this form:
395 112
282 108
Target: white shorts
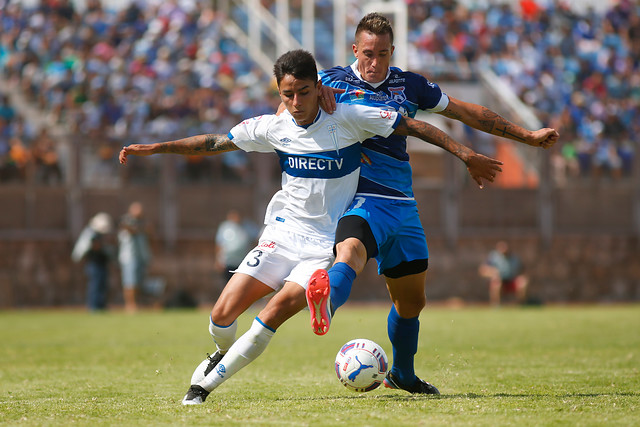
283 256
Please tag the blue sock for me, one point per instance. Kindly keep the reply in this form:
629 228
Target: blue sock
341 278
403 334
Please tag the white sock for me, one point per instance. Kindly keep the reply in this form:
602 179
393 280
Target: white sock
223 336
244 351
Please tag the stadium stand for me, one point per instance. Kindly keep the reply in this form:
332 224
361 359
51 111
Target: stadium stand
78 83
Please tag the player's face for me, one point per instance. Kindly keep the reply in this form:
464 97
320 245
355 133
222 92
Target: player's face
300 97
373 53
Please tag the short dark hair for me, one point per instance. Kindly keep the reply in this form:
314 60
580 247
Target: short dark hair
298 63
375 23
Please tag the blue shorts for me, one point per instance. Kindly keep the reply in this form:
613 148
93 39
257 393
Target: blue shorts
396 226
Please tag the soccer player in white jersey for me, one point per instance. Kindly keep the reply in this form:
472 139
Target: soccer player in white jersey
320 160
383 221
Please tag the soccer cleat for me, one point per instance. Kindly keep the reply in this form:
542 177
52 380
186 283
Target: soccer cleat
213 361
419 386
196 395
318 293
205 367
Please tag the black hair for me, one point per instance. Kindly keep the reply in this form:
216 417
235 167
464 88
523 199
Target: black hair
298 63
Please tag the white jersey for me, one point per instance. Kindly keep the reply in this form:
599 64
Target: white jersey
320 163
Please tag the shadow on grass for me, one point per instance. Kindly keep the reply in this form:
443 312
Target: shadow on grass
410 397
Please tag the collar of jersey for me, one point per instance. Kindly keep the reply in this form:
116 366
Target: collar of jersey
354 67
310 124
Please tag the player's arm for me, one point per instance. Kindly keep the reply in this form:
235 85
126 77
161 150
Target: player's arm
485 120
199 145
480 167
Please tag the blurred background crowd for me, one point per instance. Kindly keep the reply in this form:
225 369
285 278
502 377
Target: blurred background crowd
165 70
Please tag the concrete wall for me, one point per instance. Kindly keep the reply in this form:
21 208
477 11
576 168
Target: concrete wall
594 255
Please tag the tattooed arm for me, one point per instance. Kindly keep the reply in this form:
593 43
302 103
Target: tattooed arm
199 145
483 119
480 167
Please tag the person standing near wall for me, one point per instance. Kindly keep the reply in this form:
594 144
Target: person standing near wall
93 248
134 254
233 241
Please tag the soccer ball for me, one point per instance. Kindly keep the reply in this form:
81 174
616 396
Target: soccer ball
361 365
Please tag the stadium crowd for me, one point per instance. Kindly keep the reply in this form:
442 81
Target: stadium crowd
166 69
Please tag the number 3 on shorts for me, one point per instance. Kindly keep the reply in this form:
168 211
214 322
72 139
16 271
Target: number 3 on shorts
255 261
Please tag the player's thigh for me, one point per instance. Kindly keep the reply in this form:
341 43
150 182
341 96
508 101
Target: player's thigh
237 296
285 304
407 294
405 251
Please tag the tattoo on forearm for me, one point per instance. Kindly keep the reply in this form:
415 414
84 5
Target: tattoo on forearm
435 136
215 143
200 144
495 124
489 122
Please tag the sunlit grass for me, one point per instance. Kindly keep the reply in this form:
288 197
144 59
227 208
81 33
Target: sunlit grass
537 366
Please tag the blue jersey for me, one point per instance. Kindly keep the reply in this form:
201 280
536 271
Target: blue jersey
385 170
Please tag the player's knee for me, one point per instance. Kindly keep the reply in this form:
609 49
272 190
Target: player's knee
221 315
412 307
352 252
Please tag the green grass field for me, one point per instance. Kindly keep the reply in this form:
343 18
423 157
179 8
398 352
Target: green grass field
511 366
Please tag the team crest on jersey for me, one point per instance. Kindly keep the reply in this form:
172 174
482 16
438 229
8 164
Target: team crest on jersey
333 133
397 94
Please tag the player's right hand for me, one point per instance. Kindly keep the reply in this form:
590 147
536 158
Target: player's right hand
136 150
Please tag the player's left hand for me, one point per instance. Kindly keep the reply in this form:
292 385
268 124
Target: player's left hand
483 168
544 138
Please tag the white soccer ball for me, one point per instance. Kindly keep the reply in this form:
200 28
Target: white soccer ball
361 365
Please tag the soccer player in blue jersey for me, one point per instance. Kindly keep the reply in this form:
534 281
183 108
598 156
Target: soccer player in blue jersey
320 161
383 220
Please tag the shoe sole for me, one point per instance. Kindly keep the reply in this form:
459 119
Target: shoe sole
317 298
390 384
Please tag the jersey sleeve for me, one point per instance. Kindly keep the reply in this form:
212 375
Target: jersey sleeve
430 96
366 122
253 134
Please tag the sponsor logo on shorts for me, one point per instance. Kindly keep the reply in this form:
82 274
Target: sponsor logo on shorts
267 244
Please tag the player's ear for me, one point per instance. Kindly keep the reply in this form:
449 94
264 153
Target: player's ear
392 49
